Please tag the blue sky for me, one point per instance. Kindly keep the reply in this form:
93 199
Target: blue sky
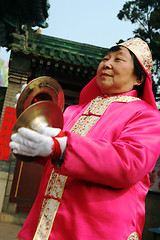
86 21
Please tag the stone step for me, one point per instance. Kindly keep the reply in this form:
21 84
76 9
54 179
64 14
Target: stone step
12 218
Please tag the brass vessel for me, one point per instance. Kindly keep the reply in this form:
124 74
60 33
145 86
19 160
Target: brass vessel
41 102
39 89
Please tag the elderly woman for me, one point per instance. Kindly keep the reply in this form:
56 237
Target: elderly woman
96 174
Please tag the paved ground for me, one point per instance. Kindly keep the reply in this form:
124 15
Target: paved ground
9 231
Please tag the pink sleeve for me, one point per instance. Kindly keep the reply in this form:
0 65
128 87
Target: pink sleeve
116 164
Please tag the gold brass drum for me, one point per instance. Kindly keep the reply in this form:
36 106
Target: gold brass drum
41 102
39 89
43 112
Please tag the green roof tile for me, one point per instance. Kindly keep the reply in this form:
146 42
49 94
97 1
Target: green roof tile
69 52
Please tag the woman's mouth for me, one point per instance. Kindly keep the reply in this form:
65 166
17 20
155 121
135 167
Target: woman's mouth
105 74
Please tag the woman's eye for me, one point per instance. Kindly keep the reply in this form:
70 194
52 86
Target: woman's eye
120 59
105 59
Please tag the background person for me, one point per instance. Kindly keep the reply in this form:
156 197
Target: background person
96 174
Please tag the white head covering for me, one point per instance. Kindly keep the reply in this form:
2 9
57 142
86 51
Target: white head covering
142 52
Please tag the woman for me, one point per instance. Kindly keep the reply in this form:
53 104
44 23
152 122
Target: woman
108 147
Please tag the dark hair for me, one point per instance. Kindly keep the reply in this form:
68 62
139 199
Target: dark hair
138 70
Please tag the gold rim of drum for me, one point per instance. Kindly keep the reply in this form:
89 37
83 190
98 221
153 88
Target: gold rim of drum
43 112
43 88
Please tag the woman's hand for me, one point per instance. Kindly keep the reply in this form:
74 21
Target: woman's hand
18 94
41 143
59 135
31 143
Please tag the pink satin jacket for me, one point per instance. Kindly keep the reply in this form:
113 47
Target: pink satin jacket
105 175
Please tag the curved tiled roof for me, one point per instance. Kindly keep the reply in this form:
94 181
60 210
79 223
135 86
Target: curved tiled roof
60 50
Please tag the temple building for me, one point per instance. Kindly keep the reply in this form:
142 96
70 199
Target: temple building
73 65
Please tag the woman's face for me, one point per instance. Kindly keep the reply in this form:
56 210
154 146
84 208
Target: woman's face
115 73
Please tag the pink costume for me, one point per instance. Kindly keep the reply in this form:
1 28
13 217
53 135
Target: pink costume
99 191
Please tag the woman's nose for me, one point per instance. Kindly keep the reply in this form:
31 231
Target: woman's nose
107 64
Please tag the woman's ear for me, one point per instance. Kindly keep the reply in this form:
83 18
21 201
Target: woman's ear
140 81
